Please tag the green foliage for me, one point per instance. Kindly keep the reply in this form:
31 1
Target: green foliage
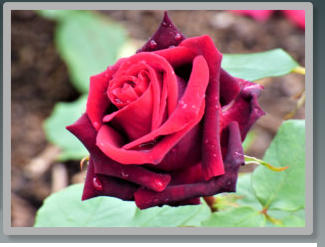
281 194
63 115
88 43
236 217
65 208
283 190
249 140
255 66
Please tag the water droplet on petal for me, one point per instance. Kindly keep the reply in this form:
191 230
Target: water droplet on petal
214 155
193 106
152 44
172 46
178 37
184 106
97 184
124 175
206 141
158 184
117 100
164 24
96 125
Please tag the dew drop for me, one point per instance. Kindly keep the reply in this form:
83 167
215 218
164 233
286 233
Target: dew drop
164 24
184 106
96 125
214 155
152 44
206 141
178 37
97 184
158 184
117 100
193 107
124 175
172 46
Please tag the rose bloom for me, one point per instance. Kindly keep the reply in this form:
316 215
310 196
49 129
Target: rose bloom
165 126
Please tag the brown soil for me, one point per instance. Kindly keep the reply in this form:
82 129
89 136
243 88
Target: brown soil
40 79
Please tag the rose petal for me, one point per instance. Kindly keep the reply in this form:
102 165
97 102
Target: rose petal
109 186
212 163
229 87
110 142
185 153
145 198
244 109
187 114
188 106
167 35
98 102
141 109
103 165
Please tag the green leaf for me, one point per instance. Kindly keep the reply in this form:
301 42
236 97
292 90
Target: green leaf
246 193
249 140
236 217
288 219
65 208
63 115
283 190
255 66
88 43
167 216
55 14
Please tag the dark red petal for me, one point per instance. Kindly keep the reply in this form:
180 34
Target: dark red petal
84 131
167 35
185 153
226 183
98 101
244 109
177 56
109 186
229 87
105 166
212 163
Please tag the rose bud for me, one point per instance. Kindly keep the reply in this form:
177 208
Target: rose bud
165 126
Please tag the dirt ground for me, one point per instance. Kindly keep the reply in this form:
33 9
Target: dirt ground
40 79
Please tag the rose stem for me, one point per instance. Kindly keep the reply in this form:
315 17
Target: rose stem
211 200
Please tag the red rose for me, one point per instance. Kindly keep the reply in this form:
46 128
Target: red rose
164 126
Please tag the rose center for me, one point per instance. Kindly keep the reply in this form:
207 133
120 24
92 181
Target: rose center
127 88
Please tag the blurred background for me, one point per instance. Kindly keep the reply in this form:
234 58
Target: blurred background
45 72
